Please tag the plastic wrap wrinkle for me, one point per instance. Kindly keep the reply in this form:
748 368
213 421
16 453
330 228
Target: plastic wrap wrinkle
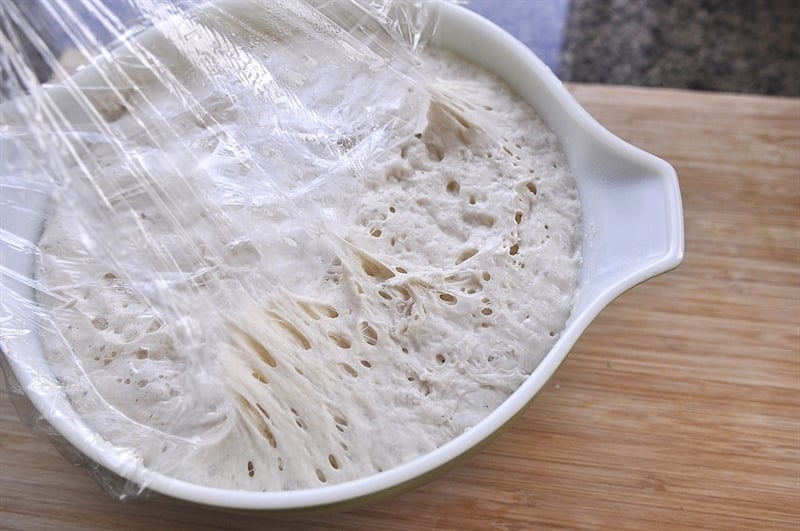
199 181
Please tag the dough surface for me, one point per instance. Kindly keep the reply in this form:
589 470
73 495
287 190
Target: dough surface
291 332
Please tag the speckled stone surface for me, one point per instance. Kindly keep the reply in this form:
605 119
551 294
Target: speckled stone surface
723 45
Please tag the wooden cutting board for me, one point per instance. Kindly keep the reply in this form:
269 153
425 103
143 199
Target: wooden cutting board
679 408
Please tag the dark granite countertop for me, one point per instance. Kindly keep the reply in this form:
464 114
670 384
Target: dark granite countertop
721 45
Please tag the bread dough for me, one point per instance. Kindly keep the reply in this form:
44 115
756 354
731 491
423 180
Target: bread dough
236 319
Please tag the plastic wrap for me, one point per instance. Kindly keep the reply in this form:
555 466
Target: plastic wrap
164 195
111 137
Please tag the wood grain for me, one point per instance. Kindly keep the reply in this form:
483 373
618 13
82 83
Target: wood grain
679 408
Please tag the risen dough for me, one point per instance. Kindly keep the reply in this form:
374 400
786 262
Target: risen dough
286 344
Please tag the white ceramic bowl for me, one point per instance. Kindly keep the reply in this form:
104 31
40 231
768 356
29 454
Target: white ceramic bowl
633 231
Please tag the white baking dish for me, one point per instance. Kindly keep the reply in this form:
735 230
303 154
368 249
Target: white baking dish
633 231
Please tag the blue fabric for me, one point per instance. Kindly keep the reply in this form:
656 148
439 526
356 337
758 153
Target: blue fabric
539 24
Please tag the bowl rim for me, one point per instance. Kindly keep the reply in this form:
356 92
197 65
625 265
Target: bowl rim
423 467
